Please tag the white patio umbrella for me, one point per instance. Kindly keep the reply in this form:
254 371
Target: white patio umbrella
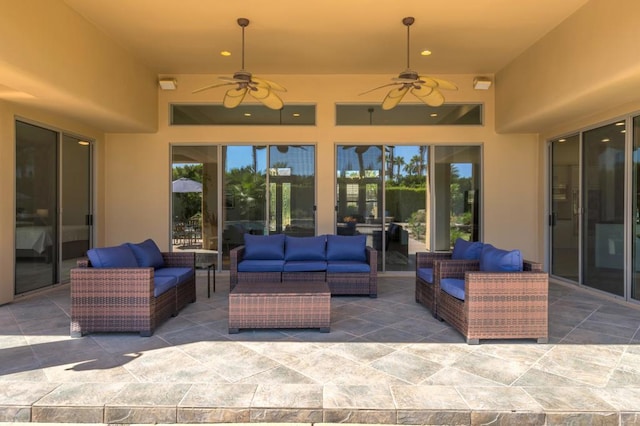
186 185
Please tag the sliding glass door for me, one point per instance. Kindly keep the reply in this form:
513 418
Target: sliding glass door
565 207
408 198
53 205
603 225
592 229
36 207
258 189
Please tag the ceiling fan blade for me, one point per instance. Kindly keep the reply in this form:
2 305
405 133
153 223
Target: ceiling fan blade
229 79
211 86
259 92
438 82
394 97
379 87
271 84
434 99
234 97
271 100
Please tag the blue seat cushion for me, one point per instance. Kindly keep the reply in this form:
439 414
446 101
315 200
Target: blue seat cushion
261 266
147 254
264 247
425 274
305 248
181 274
466 250
305 265
163 284
346 247
347 266
453 287
497 260
112 257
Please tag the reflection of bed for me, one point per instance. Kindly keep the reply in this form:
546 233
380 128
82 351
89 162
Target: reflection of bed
36 241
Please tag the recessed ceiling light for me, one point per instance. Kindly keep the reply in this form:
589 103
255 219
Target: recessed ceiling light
620 123
225 53
562 140
83 143
623 131
296 114
247 114
433 114
606 140
425 52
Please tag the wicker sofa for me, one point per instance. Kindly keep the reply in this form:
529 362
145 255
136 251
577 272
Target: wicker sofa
345 263
484 302
111 291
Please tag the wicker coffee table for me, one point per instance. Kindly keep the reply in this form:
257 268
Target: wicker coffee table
280 305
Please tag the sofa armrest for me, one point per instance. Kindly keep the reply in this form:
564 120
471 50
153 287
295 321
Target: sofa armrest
517 299
179 259
372 260
425 259
235 257
529 265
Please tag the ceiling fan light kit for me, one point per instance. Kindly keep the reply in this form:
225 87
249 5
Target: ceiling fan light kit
260 89
425 88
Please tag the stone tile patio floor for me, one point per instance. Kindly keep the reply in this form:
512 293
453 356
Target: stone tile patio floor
385 361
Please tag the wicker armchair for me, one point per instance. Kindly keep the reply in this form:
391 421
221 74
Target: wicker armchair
122 299
496 305
425 290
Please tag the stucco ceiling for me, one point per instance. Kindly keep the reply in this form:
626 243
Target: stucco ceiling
328 36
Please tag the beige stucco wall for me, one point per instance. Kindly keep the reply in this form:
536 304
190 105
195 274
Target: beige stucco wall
137 173
588 63
51 54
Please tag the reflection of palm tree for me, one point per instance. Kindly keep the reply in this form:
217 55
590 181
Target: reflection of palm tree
399 163
414 166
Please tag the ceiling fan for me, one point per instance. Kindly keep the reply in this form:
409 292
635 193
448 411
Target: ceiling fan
425 88
258 88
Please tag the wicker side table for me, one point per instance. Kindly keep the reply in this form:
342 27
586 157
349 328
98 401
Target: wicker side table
304 304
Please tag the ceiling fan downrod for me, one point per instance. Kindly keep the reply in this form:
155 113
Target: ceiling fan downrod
408 21
243 22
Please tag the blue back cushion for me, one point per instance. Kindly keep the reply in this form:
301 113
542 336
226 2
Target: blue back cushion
346 247
466 250
147 254
264 247
305 248
496 260
112 257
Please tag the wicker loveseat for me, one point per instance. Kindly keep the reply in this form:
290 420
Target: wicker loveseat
485 301
345 263
130 288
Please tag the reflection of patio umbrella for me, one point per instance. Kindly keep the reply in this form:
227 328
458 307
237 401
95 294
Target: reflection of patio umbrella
186 185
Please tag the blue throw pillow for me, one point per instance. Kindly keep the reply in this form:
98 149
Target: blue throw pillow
147 254
264 247
112 257
305 248
346 247
466 250
496 260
